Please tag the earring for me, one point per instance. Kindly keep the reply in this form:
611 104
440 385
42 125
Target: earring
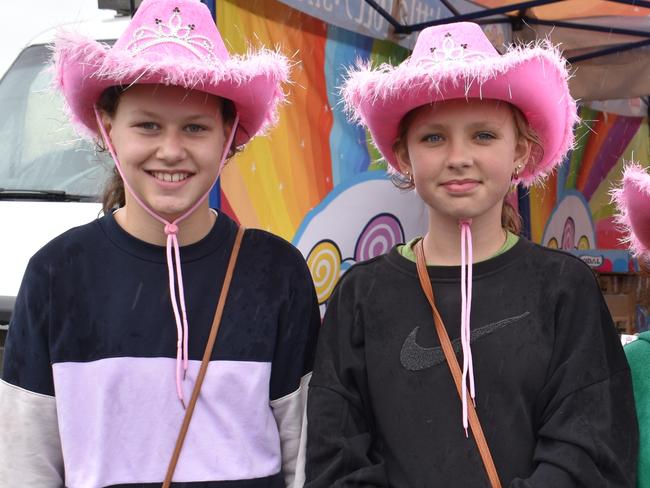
409 176
515 174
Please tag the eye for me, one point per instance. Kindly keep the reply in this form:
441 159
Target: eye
149 126
432 138
485 136
195 128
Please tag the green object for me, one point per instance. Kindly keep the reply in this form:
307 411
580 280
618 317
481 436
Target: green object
406 250
638 356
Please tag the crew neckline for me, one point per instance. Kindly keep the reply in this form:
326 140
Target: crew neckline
222 231
408 252
437 272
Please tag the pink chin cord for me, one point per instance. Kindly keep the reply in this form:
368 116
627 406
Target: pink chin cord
173 254
466 263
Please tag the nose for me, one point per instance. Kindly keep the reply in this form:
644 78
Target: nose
171 148
459 155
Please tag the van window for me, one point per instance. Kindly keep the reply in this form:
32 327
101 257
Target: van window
39 150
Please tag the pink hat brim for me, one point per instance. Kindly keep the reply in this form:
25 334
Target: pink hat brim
84 68
534 79
632 199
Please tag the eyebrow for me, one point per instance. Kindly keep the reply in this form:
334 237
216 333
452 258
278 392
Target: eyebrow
144 113
474 125
153 115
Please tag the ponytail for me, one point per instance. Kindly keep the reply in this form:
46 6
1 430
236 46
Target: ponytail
510 218
113 196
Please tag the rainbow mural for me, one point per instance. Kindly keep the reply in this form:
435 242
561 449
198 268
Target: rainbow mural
314 160
315 180
278 179
573 211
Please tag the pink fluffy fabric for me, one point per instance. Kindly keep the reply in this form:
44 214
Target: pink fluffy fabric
366 85
632 198
104 67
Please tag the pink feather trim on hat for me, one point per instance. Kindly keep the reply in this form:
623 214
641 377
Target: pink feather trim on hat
632 199
457 61
171 43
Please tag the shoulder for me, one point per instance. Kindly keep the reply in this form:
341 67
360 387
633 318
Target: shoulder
271 254
271 245
262 239
363 277
561 266
638 350
68 245
371 267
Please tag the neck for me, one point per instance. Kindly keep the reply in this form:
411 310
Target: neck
442 240
137 222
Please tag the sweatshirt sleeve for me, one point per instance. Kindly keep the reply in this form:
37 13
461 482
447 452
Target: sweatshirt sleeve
293 361
29 435
587 428
638 356
340 428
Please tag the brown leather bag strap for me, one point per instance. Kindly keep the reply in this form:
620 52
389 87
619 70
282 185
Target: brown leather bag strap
450 356
206 358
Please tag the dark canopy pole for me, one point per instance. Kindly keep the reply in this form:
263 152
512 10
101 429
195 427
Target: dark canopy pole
215 192
611 50
473 16
587 27
481 16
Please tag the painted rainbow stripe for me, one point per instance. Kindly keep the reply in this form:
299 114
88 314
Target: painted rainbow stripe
278 179
605 142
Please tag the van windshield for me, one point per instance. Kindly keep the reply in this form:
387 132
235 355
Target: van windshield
39 150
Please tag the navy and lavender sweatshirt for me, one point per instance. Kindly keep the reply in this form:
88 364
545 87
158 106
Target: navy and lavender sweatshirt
554 394
87 397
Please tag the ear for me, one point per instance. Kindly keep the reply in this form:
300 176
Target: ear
401 152
522 151
107 121
227 129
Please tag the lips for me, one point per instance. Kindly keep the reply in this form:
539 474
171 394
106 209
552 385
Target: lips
460 186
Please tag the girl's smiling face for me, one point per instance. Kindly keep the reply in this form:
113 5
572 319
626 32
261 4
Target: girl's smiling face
462 154
169 141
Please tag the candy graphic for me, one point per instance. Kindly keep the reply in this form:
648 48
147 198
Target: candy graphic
378 237
324 262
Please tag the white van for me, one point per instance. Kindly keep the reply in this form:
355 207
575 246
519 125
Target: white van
50 179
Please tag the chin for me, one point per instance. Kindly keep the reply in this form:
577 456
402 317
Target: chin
171 211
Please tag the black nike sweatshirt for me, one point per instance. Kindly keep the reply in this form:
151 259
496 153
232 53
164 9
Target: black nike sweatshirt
553 388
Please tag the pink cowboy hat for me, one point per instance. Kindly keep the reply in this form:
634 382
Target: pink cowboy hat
633 201
171 42
458 61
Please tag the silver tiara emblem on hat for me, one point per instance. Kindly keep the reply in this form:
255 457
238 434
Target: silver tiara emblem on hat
173 31
450 51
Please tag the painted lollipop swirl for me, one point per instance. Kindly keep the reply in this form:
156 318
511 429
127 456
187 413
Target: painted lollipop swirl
324 262
378 237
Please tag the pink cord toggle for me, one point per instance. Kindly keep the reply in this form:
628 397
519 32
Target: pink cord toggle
173 254
466 278
171 229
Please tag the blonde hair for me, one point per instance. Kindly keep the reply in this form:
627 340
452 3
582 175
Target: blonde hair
510 218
